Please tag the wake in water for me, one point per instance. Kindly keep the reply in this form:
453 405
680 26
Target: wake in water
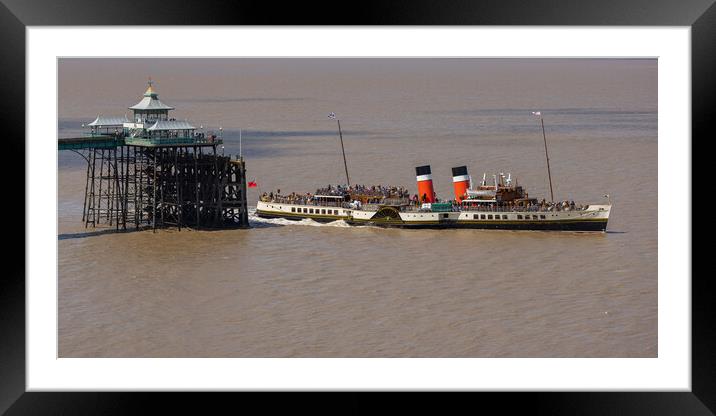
256 221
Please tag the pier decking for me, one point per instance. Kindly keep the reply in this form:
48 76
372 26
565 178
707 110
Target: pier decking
88 142
105 141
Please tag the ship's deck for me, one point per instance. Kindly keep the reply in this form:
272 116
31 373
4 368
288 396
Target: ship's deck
416 208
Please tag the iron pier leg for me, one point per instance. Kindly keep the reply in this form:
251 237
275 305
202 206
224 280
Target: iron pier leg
84 205
162 180
196 186
244 206
126 187
91 204
177 180
101 174
117 185
154 189
217 195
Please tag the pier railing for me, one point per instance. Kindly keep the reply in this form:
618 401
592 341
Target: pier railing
168 141
105 141
97 141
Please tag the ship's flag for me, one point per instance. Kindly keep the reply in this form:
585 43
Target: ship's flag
332 115
252 184
536 113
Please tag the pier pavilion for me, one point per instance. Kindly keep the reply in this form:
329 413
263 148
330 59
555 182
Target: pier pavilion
156 171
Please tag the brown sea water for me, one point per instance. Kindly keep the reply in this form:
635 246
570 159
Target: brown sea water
285 289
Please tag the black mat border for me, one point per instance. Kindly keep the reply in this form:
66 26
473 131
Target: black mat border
15 15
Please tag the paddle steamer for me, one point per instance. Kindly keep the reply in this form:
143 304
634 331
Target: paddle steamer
501 204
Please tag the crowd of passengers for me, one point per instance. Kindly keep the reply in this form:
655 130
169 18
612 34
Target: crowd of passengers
543 205
378 191
292 198
374 194
364 193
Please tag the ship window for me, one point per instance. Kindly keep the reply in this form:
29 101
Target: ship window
445 215
474 216
305 210
310 210
482 216
519 217
293 209
504 217
489 217
534 217
542 217
323 211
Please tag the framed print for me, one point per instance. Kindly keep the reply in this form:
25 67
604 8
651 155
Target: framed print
232 208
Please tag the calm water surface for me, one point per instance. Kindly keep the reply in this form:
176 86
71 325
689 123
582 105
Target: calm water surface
284 289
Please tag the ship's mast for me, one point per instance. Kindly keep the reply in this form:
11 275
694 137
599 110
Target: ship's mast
544 136
343 150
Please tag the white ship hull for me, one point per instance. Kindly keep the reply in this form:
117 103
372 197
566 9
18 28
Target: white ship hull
592 218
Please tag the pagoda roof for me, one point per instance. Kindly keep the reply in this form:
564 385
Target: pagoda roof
108 121
150 101
171 125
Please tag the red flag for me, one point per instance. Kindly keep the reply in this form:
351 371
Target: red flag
252 184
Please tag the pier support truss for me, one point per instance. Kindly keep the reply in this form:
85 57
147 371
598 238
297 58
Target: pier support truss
167 186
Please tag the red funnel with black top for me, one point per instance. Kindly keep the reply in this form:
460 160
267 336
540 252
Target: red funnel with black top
460 182
425 184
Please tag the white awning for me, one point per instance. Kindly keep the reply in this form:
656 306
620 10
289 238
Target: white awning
108 121
171 125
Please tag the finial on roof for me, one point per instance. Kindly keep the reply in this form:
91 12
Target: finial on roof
150 91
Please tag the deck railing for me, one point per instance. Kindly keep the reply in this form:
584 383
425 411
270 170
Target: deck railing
418 208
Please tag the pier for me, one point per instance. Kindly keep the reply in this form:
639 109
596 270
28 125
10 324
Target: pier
155 172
